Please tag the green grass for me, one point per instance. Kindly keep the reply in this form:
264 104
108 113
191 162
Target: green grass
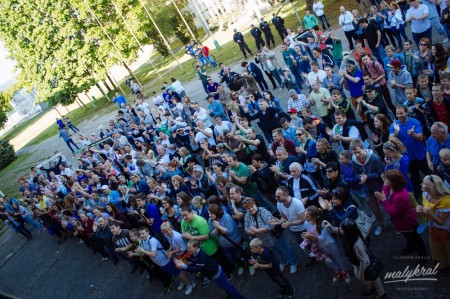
23 126
11 172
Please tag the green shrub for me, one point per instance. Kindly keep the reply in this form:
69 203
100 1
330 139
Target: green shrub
7 154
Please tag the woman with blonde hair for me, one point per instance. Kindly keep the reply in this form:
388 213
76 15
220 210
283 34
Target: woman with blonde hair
324 156
395 158
436 207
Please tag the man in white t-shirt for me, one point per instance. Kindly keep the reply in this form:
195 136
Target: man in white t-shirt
221 126
143 106
418 14
167 143
316 74
202 114
204 133
292 212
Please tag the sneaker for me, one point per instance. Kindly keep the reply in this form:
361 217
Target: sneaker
282 267
181 286
346 277
421 228
291 293
230 276
251 270
167 290
335 278
293 269
378 230
189 289
240 270
445 40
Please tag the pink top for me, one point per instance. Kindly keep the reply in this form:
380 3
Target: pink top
398 206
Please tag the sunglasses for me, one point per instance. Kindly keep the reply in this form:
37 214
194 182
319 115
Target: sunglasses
430 177
423 45
300 134
330 171
369 91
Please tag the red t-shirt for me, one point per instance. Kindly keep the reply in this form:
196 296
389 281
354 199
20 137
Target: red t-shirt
205 51
442 113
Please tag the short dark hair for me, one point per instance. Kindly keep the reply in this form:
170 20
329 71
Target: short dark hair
333 165
363 21
114 223
340 112
307 120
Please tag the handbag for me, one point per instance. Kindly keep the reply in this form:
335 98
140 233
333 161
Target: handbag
277 231
372 272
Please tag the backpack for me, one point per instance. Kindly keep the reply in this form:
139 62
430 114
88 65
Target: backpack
363 221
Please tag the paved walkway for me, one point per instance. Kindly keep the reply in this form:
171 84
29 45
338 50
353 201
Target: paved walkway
42 269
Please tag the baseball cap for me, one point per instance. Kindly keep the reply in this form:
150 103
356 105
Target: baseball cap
395 63
104 187
292 110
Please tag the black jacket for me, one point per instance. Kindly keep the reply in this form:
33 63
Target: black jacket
238 38
307 188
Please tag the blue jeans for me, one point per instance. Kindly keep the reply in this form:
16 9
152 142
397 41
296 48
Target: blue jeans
379 53
418 36
335 260
75 129
33 222
211 60
437 24
399 33
223 283
284 252
70 141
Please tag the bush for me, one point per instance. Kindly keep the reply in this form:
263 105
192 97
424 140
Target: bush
7 154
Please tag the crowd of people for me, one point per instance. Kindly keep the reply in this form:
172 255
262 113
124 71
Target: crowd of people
224 189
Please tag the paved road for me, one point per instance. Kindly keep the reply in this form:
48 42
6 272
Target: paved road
41 268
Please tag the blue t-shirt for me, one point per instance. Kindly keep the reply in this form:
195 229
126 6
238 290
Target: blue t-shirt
434 147
356 89
416 149
114 197
152 212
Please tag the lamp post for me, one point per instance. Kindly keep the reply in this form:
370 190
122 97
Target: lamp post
216 44
296 12
162 36
134 35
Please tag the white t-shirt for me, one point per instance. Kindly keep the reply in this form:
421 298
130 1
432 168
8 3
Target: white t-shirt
170 151
296 188
226 125
199 136
203 115
318 8
144 107
295 208
320 75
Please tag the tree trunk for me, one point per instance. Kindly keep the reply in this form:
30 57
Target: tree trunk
67 109
112 82
79 99
78 103
102 91
58 111
105 82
